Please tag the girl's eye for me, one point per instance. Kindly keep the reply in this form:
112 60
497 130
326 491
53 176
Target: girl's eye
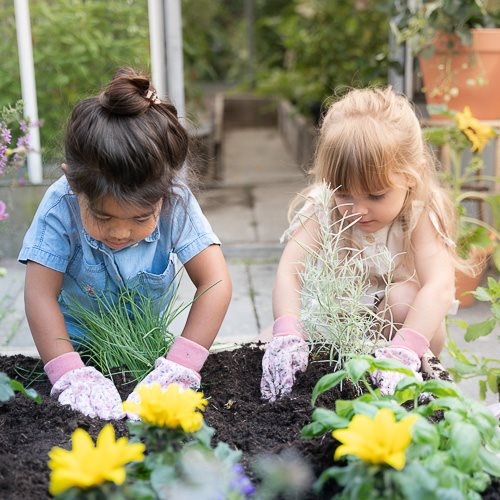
141 220
101 217
377 196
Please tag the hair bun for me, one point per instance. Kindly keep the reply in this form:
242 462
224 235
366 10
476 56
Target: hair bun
126 93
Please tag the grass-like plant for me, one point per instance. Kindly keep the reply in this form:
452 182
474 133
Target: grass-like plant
127 334
335 287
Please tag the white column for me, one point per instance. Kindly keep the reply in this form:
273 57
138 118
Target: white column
175 66
157 46
28 87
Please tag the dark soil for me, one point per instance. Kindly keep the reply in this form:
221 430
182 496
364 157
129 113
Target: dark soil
231 381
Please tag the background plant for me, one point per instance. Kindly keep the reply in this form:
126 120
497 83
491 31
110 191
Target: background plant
452 455
319 45
469 365
8 388
335 286
465 180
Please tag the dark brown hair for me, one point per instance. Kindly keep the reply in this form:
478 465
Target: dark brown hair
125 142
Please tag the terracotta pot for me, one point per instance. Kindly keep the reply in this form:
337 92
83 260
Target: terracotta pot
456 66
465 283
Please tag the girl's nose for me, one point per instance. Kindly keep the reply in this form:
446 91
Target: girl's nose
359 208
120 231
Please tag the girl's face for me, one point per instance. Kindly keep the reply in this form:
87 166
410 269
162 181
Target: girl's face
376 210
118 225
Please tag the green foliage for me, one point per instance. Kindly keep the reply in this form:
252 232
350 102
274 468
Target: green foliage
336 288
468 365
315 46
454 457
77 45
9 387
418 22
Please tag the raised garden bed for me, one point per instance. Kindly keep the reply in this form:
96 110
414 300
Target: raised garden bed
231 381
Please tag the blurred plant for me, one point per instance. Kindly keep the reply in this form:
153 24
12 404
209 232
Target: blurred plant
9 387
469 365
468 136
335 286
91 468
453 451
14 144
316 46
421 23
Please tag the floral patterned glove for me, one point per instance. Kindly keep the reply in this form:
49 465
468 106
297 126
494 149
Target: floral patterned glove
83 388
181 366
286 354
407 347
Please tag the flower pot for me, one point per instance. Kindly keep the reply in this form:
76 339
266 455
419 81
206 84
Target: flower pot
466 283
474 71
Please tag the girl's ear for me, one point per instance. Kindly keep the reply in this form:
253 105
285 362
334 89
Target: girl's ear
64 168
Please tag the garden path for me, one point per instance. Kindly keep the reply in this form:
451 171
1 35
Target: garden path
248 212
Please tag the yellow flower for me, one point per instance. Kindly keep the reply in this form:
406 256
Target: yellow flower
478 133
85 465
378 440
171 407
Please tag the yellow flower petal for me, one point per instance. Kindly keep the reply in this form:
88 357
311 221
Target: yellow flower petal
85 465
172 407
376 440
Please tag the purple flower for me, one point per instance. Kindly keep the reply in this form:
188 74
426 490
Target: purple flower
24 141
23 125
3 214
5 134
3 158
240 482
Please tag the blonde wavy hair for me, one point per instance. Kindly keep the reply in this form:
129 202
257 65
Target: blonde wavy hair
366 137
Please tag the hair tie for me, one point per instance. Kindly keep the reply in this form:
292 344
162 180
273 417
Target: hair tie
152 97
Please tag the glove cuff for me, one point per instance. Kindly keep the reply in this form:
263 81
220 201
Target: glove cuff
61 365
288 325
409 339
187 353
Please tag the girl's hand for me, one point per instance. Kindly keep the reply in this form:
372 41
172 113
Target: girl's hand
285 355
407 347
181 366
387 381
83 388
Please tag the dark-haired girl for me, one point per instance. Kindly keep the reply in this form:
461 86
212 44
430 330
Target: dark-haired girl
115 219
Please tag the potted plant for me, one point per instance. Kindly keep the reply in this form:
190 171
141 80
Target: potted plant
458 46
465 139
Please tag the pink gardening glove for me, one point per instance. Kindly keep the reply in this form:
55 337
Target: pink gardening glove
181 366
83 388
285 355
408 347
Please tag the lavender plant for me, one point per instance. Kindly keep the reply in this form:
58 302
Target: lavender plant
335 294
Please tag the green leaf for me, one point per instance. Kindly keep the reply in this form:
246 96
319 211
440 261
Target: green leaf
205 434
326 383
390 365
343 407
479 329
493 382
491 463
465 442
329 418
448 403
227 454
6 391
29 393
356 368
483 389
364 408
441 388
424 432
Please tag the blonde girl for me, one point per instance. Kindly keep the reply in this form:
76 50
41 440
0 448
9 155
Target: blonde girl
371 152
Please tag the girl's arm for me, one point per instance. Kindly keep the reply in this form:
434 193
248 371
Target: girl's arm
436 274
46 321
207 312
286 292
